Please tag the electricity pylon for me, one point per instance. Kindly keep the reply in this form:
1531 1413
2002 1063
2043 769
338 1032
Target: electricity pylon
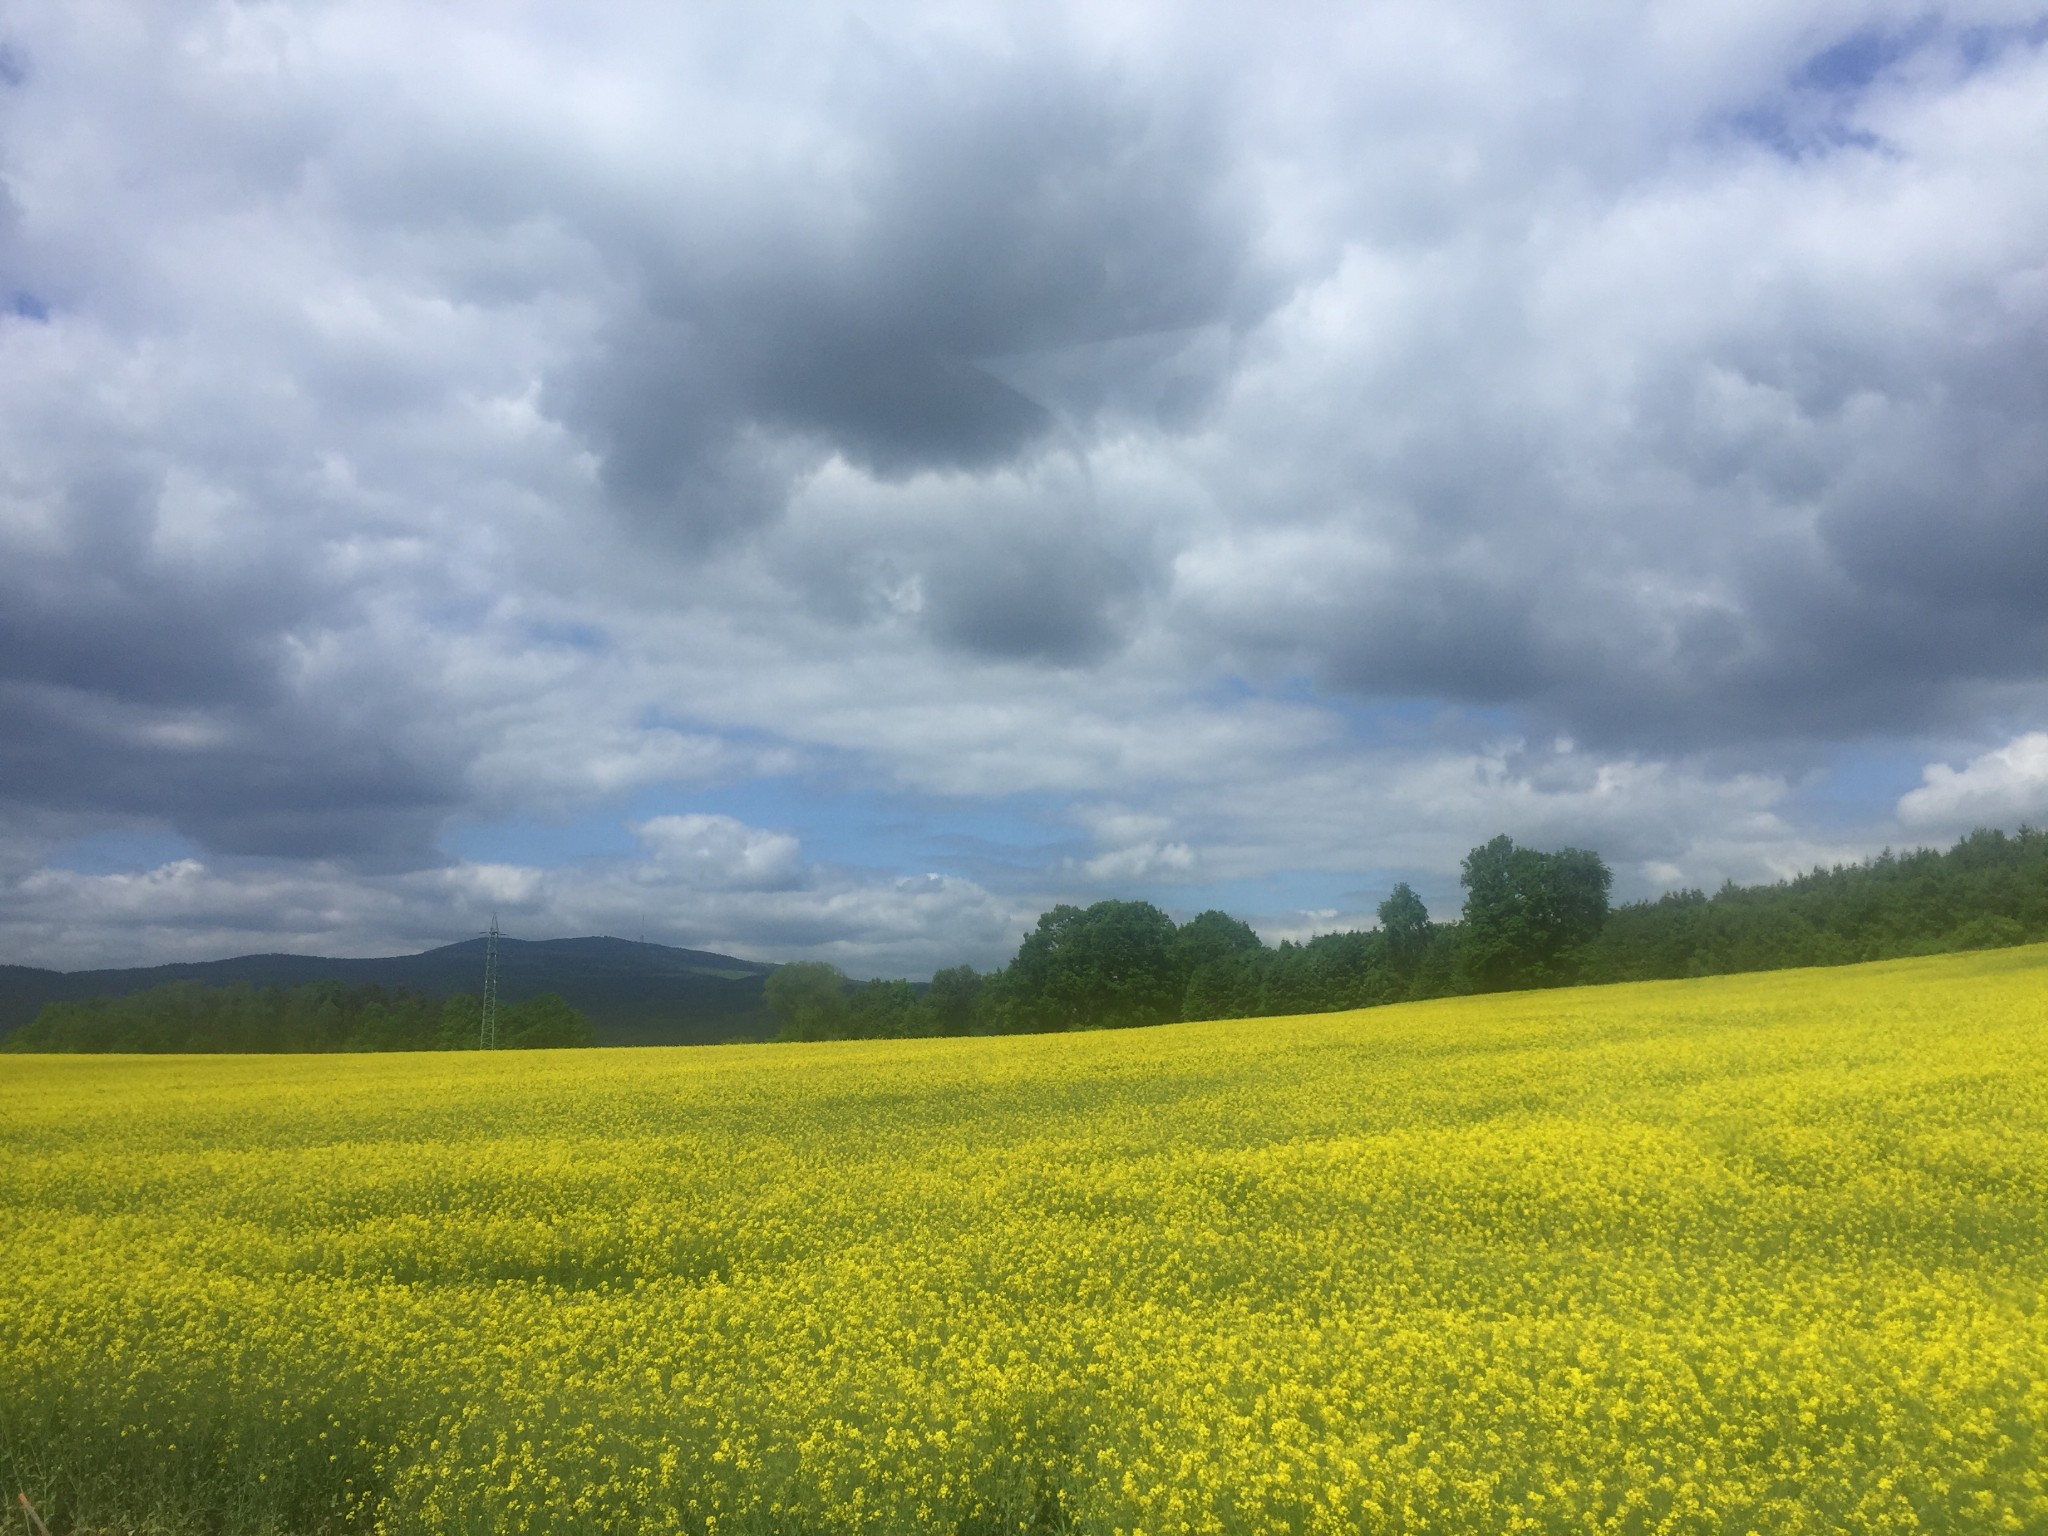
490 1030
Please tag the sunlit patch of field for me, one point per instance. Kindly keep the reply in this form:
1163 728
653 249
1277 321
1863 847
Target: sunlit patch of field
1751 1253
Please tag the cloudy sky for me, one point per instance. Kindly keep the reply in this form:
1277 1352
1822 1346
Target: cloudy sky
817 481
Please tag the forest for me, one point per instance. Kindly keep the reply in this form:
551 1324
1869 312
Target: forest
317 1016
1530 919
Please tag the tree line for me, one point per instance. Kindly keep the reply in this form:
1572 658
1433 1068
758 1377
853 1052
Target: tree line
187 1016
1530 919
1988 891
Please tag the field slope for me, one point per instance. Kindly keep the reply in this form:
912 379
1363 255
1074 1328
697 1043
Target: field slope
1753 1253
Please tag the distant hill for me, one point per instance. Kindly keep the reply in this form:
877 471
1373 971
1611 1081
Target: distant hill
633 993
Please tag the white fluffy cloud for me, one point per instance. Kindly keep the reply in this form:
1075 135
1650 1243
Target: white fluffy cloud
721 854
1996 789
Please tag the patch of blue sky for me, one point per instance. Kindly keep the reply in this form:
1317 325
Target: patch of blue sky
1291 900
542 842
1807 119
870 828
123 852
1981 47
27 306
1855 62
1795 136
836 823
1858 789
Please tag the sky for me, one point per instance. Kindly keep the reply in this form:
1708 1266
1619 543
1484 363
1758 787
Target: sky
830 482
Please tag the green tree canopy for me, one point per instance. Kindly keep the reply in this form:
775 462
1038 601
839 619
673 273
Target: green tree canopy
190 1016
1219 959
1214 935
1405 922
545 1022
952 999
886 1010
809 996
1526 912
1110 965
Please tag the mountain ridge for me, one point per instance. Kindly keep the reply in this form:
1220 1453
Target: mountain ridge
633 992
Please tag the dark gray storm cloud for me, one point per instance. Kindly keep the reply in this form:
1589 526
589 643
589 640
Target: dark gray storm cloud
967 206
280 782
139 684
1046 592
98 613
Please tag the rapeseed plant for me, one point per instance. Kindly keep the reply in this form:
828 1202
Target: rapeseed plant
1753 1253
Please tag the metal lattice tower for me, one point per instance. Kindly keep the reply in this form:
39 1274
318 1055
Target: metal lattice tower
490 1030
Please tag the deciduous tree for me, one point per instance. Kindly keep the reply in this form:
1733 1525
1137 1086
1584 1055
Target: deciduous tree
1112 964
1526 912
809 996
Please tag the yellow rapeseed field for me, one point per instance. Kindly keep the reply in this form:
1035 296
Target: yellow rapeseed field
1756 1253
